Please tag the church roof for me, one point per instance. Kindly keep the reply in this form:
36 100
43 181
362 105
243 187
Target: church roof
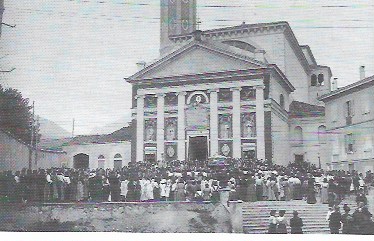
256 27
192 44
310 53
356 86
302 110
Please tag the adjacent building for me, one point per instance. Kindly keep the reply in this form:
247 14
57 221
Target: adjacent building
350 125
99 151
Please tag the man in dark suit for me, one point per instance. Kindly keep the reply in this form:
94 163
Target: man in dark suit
335 220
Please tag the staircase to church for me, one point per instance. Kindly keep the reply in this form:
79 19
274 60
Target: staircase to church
256 215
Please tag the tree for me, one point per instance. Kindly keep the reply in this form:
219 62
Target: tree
15 114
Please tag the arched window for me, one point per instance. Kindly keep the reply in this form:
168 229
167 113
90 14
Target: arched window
322 134
281 101
298 135
313 80
321 79
117 162
101 162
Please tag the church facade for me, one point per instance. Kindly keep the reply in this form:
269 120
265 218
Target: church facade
227 91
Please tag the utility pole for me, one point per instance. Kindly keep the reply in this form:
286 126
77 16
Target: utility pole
37 126
32 136
72 131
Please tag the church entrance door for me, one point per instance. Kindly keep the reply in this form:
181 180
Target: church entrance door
198 148
81 161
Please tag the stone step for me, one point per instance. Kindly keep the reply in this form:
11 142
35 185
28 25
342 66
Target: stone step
305 231
265 221
301 215
287 203
288 212
306 227
256 215
265 224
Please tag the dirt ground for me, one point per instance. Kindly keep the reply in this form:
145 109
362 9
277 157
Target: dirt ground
130 217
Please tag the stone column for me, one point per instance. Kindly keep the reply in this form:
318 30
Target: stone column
181 126
140 128
260 122
213 122
160 126
236 125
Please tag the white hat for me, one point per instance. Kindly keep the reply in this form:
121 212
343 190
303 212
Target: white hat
163 181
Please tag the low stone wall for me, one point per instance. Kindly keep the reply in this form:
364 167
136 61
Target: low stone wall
123 217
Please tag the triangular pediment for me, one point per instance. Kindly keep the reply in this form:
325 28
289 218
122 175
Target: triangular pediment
196 59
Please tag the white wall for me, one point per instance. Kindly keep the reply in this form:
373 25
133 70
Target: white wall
276 90
311 148
296 74
280 139
108 150
14 155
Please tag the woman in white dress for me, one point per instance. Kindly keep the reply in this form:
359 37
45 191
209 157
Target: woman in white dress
143 190
124 189
271 184
324 191
149 190
163 193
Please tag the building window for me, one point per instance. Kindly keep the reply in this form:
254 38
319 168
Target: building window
349 143
321 79
333 111
313 80
349 111
281 101
322 134
101 162
298 135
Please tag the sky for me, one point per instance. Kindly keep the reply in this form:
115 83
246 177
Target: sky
71 56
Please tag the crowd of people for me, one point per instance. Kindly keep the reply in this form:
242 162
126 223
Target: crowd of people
248 181
179 181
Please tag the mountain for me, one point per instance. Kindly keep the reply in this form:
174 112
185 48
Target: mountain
50 130
52 135
112 127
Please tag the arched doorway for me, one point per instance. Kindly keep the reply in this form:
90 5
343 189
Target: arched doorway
81 161
101 162
117 162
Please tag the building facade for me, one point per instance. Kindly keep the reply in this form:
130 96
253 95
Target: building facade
113 155
350 126
224 91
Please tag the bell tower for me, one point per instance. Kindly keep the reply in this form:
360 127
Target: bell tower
178 17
